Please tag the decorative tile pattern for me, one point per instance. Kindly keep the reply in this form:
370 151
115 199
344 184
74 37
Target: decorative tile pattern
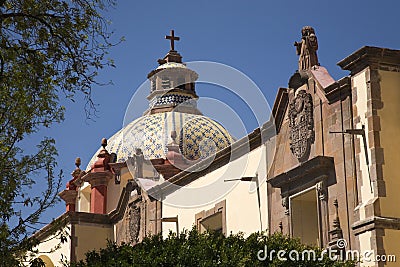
198 136
173 99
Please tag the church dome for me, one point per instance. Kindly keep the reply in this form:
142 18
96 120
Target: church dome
198 136
172 107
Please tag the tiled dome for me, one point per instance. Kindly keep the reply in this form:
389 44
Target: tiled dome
198 136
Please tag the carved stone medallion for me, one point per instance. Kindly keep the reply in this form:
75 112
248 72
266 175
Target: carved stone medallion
301 124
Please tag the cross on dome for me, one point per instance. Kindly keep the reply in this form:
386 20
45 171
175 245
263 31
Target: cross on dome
172 39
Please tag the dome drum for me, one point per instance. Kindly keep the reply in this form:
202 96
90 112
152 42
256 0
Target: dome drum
169 78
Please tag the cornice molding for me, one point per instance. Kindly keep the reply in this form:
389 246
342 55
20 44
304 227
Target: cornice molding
370 56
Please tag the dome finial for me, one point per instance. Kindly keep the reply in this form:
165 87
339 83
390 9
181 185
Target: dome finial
104 143
78 162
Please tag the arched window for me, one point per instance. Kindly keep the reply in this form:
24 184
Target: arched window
47 261
84 199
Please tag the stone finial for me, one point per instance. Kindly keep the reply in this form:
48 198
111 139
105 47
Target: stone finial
336 233
78 162
75 174
103 158
70 193
104 143
103 152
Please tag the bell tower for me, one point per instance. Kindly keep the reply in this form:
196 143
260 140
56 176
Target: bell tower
172 84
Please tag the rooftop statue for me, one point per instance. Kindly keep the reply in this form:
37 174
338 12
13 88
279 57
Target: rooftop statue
307 49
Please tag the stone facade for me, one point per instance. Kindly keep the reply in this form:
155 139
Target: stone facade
326 167
142 217
350 141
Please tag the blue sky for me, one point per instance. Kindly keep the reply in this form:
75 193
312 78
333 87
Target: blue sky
255 37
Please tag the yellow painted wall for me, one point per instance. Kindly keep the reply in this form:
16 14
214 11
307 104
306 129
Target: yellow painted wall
390 141
391 245
91 237
114 190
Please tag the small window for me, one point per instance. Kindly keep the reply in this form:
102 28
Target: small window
211 223
213 219
153 85
166 83
304 216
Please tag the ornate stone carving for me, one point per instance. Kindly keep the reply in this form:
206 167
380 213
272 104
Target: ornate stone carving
321 189
285 204
301 124
307 49
134 223
336 233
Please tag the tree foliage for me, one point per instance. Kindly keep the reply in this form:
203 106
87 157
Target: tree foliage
192 248
48 49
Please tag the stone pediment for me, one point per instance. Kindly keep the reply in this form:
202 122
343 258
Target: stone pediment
320 168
